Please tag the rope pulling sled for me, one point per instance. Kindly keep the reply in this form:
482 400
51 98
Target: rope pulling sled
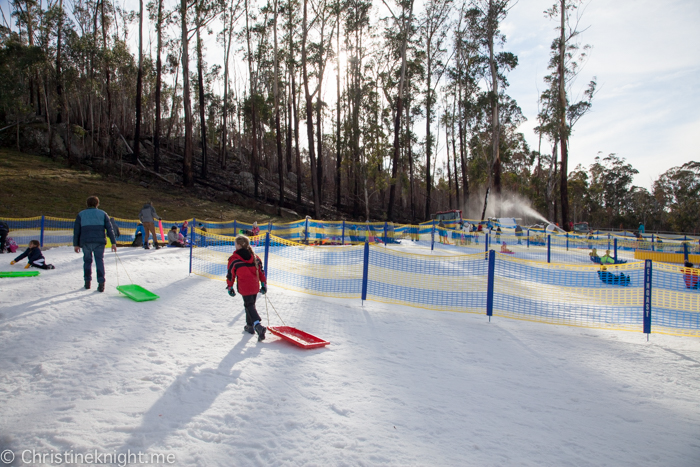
133 291
292 334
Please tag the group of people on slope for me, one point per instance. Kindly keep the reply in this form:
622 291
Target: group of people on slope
93 227
147 227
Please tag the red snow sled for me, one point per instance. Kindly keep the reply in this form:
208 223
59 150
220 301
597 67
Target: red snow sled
297 337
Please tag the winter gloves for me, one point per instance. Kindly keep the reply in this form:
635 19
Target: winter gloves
12 262
263 290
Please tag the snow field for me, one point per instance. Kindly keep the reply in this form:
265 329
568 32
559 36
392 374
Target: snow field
80 371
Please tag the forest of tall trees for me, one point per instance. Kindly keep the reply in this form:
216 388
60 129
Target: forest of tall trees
387 110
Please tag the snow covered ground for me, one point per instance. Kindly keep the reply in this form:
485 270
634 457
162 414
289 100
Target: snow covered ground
87 372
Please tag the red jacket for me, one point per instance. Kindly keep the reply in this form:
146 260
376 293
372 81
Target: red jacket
241 266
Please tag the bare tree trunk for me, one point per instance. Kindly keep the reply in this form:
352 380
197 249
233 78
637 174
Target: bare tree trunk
563 128
139 89
309 116
187 169
338 153
254 124
156 133
495 119
280 158
202 102
405 27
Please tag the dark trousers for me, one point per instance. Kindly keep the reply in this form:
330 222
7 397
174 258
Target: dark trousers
251 314
41 266
98 251
3 237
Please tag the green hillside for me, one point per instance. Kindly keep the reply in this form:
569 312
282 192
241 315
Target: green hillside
34 185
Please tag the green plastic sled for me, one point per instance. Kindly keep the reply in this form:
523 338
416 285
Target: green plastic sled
137 293
19 273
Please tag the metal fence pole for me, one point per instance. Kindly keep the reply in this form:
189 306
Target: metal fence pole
685 252
267 254
192 235
343 234
432 237
235 228
490 282
41 238
615 246
365 271
549 248
385 232
528 238
647 297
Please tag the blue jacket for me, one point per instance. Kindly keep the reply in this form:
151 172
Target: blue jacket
139 228
32 255
90 226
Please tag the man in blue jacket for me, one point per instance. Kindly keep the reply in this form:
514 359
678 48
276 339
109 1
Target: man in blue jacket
89 234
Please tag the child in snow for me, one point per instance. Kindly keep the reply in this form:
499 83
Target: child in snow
174 238
33 254
139 234
245 266
256 229
184 230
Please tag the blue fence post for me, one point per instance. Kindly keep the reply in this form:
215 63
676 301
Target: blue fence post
653 248
608 241
343 234
490 282
528 238
549 248
41 238
235 228
432 237
486 241
267 253
685 252
567 241
306 230
615 245
192 235
365 272
385 234
647 297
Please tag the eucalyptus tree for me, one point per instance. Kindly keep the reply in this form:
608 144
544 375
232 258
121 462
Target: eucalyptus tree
139 89
434 30
566 63
187 166
405 20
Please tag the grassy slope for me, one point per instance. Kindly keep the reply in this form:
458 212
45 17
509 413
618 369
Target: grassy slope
33 186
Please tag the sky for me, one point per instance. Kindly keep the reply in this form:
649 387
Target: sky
644 56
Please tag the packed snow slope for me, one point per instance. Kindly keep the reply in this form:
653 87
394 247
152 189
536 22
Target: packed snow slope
88 371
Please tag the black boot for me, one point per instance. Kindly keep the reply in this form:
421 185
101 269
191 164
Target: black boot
101 287
87 284
260 329
249 329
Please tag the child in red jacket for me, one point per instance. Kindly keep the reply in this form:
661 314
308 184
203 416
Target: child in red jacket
245 266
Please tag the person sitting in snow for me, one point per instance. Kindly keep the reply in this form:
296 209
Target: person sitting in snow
613 279
138 235
606 258
246 267
504 249
34 256
174 238
594 256
184 230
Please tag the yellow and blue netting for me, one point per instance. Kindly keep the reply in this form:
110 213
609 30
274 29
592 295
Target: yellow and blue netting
568 294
